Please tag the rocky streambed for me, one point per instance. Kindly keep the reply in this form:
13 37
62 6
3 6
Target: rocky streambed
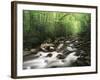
58 53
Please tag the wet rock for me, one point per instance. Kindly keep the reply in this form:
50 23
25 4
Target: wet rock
83 53
48 40
87 57
49 55
70 48
51 48
71 45
87 62
26 49
25 53
59 56
80 63
33 50
41 54
60 46
77 53
47 47
67 42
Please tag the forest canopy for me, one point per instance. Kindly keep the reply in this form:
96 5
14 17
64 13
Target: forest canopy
39 26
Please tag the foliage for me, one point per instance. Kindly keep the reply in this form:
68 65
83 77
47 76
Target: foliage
39 26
